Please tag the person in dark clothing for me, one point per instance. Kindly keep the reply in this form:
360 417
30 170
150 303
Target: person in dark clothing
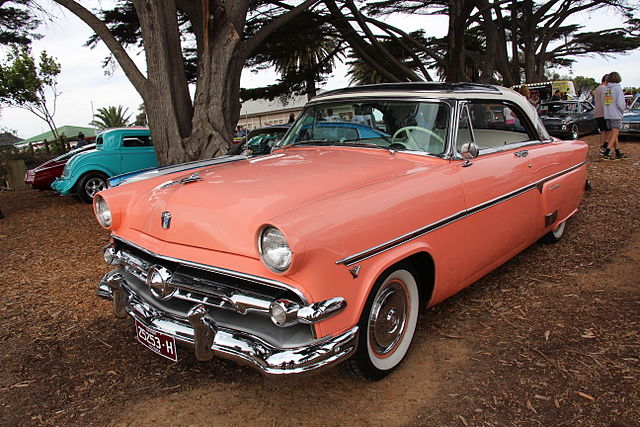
81 141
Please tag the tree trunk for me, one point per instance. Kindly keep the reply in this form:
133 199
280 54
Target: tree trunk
182 129
455 56
311 85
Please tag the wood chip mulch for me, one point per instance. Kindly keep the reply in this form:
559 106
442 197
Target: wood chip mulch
550 338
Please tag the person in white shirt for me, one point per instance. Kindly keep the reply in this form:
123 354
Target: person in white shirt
613 107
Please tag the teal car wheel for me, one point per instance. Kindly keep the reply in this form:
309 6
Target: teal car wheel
90 184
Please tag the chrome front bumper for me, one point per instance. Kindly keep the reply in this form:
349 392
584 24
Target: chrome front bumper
200 332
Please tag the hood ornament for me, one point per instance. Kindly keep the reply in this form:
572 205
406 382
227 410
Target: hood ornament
165 219
191 178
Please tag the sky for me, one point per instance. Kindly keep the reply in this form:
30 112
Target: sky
84 86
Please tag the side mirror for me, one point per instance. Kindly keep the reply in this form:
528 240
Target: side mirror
469 150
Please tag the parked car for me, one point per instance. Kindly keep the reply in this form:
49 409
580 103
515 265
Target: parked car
630 126
568 119
259 141
41 177
117 151
325 250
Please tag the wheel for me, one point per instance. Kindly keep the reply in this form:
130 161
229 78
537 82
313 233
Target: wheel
555 235
387 324
90 184
411 142
574 132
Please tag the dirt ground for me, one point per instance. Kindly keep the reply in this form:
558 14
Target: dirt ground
552 338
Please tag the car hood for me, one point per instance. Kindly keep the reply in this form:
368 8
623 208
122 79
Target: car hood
135 176
631 116
83 154
225 205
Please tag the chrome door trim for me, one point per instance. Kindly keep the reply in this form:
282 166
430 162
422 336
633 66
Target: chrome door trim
383 247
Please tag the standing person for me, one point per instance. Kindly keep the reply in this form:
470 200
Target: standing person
598 113
613 107
81 141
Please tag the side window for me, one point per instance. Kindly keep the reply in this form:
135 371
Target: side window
494 124
137 141
464 129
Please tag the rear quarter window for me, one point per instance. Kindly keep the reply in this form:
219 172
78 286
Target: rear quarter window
137 141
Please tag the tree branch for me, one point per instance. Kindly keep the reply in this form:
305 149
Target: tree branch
128 66
251 44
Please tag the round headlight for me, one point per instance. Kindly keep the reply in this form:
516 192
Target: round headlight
103 213
274 249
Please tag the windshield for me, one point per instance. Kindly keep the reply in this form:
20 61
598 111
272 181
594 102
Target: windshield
397 125
265 137
635 106
560 108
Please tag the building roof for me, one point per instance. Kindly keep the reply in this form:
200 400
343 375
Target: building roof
67 131
265 106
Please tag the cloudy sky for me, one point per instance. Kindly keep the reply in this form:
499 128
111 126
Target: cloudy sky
84 86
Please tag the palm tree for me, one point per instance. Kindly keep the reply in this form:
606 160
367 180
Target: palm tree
111 117
305 53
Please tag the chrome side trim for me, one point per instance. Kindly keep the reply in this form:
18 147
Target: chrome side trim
371 252
223 271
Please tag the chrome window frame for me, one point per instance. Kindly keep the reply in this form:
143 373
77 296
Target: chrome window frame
449 102
529 125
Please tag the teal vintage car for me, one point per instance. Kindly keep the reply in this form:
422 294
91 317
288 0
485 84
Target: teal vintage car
631 120
117 151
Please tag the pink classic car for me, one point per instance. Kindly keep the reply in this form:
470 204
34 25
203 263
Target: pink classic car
325 250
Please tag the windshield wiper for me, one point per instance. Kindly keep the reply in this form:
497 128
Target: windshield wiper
361 144
311 142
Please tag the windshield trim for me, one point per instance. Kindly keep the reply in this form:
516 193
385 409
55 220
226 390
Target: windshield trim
450 104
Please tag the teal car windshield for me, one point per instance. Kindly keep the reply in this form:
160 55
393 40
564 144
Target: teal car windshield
398 125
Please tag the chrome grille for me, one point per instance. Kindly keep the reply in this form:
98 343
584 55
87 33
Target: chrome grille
211 288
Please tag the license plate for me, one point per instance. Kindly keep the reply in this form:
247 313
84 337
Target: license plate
156 341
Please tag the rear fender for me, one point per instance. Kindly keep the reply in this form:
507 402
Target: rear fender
561 196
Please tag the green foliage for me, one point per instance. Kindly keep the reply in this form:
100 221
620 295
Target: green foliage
25 84
17 23
111 117
361 73
585 84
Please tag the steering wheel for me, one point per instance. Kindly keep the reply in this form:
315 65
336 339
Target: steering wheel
411 140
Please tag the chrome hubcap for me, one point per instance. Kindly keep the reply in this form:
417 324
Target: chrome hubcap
388 318
93 186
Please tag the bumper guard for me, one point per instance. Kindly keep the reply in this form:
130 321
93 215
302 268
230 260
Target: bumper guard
201 333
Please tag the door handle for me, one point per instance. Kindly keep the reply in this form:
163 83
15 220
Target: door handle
521 153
